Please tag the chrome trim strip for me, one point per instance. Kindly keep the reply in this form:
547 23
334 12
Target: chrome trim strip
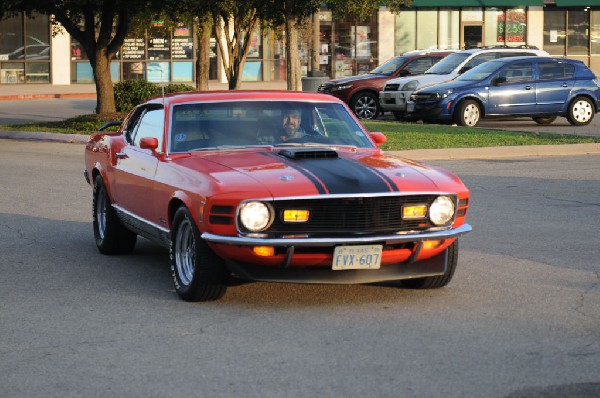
140 219
354 195
348 240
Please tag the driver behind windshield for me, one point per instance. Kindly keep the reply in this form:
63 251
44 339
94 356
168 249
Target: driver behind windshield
290 126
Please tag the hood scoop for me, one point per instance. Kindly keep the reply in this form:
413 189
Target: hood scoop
309 153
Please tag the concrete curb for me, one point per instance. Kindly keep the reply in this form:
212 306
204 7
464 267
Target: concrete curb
498 152
20 97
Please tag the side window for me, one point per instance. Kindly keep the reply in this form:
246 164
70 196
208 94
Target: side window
515 54
419 65
555 70
518 72
151 124
479 59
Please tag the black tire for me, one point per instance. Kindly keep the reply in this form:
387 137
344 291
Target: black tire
198 273
111 235
399 116
365 105
434 282
581 111
544 121
468 113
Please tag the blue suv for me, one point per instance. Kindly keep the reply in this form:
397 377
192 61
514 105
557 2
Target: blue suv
538 87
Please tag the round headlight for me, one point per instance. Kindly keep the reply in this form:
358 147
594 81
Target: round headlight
255 216
441 210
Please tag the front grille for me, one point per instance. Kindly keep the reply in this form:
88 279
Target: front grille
423 97
355 215
391 87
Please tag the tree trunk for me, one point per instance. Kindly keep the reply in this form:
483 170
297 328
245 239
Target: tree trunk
204 32
105 97
294 76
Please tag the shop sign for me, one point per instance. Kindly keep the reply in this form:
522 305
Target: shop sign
512 26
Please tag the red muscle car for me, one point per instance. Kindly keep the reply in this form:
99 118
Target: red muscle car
271 186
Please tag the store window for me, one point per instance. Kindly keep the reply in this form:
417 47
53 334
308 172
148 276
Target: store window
578 37
427 32
253 67
406 27
505 27
555 38
449 30
595 32
25 49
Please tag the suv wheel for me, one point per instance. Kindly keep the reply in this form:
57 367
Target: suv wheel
581 111
365 105
468 113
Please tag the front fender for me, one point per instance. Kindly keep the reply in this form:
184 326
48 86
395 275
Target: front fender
481 99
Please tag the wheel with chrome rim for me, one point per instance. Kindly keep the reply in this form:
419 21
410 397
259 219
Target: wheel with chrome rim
581 111
365 105
111 235
198 273
468 113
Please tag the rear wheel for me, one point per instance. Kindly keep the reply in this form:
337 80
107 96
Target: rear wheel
198 273
365 105
468 113
581 111
544 120
111 235
434 282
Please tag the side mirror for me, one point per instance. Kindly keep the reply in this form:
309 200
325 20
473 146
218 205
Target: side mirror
149 143
404 72
498 81
379 138
463 69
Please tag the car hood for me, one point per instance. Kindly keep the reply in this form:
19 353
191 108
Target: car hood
319 171
352 79
451 85
424 80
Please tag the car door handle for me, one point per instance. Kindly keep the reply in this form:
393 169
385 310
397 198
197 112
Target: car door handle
122 155
528 87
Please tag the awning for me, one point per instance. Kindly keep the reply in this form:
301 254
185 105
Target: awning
487 3
576 3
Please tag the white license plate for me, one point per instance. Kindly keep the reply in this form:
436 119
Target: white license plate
357 257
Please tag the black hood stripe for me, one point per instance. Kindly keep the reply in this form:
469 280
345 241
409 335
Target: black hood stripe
386 178
340 176
319 185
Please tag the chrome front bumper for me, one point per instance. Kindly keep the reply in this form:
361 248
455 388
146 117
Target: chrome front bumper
325 242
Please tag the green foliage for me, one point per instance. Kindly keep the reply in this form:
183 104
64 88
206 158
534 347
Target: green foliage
130 93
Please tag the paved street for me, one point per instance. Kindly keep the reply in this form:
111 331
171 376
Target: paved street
520 319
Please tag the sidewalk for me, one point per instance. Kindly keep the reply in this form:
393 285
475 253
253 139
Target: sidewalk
14 92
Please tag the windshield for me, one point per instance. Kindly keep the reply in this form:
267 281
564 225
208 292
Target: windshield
390 66
481 72
243 124
448 64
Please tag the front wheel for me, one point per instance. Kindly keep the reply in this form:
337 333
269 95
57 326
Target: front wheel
365 106
544 121
434 282
111 235
198 273
468 113
581 111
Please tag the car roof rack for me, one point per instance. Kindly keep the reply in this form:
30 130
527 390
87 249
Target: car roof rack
495 47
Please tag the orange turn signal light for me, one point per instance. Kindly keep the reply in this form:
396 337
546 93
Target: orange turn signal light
432 244
264 251
414 212
296 215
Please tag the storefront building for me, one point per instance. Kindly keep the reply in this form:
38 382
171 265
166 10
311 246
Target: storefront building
29 53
